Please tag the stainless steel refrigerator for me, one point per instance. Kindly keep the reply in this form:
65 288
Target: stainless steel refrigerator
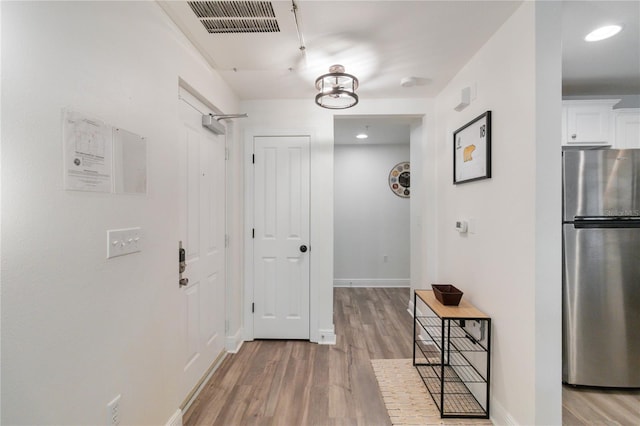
601 267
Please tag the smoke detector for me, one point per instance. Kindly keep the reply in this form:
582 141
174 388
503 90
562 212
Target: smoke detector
408 82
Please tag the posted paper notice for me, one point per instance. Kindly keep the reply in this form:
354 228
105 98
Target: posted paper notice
88 149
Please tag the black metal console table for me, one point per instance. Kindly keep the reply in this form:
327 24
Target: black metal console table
452 352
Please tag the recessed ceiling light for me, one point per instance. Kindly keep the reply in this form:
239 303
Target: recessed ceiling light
603 33
363 135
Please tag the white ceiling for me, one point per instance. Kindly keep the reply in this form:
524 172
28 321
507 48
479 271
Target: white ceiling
608 67
382 42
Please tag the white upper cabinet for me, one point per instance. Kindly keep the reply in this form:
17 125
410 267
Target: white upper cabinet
588 122
627 128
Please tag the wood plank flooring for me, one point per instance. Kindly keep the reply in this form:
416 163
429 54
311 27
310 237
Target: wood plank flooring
270 382
587 406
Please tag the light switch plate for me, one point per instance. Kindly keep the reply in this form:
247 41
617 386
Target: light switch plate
123 241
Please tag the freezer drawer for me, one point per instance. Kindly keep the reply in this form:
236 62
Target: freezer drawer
603 182
601 306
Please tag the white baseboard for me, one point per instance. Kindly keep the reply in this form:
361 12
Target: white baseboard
326 337
233 343
203 382
418 311
372 282
500 416
423 334
176 419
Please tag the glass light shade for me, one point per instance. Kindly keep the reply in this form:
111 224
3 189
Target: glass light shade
337 90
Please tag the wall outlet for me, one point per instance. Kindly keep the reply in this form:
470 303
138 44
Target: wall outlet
475 329
113 412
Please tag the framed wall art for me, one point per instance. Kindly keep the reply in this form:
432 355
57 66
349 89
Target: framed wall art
472 150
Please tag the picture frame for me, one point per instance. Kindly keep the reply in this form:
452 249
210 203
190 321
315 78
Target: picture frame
472 150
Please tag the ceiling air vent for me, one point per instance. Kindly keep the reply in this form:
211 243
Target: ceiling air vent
236 16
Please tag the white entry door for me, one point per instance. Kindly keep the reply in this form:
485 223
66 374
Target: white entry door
202 232
281 237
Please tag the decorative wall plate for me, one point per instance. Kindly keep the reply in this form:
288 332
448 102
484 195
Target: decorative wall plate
400 179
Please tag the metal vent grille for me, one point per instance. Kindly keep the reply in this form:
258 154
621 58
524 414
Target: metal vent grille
241 25
236 16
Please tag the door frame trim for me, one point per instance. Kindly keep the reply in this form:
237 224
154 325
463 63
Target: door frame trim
248 286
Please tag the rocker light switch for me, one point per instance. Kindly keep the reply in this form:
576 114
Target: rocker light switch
123 241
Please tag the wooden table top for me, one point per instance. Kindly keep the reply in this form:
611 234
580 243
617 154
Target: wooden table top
463 310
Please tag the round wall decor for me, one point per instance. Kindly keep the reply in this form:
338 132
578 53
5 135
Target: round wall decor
400 179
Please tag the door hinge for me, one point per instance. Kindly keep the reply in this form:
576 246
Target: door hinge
253 307
226 326
253 158
226 153
253 233
226 240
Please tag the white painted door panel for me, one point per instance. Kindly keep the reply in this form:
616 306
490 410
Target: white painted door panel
202 231
281 268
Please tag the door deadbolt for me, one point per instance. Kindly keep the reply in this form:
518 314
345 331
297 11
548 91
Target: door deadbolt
182 265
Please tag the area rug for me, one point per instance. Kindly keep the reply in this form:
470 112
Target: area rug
406 397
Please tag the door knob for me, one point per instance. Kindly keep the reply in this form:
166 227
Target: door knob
303 248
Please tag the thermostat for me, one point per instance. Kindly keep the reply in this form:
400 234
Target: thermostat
461 226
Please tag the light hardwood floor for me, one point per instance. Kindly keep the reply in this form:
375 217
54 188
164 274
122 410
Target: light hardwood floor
271 382
587 406
301 383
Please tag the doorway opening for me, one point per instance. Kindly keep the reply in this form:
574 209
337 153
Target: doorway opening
376 195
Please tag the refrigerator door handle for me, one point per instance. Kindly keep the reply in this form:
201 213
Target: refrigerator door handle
582 222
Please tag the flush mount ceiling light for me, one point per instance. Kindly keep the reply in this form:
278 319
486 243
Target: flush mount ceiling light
603 33
337 89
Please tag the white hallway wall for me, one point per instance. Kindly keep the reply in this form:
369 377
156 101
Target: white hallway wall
370 221
78 329
33 194
510 267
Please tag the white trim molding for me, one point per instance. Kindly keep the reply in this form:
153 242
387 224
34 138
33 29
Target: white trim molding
176 419
203 382
371 282
249 135
248 237
326 337
233 343
500 416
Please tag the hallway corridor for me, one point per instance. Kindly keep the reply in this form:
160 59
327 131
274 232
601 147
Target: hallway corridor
300 383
